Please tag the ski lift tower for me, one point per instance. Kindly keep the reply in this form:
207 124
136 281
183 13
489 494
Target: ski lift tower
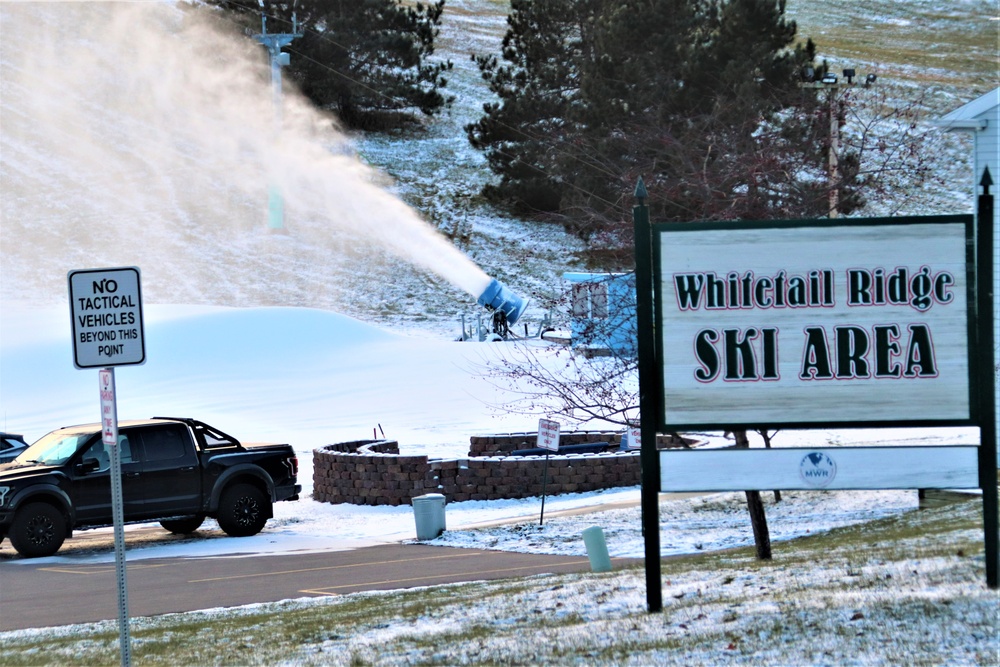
273 43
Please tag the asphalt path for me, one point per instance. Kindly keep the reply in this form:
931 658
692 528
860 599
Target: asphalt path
48 594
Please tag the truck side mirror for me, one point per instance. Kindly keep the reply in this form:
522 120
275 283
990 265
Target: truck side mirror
87 466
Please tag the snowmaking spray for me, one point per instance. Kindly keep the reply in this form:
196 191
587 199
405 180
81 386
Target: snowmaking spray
143 134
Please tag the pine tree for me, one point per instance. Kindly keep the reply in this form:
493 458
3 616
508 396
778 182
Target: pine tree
537 87
700 97
365 60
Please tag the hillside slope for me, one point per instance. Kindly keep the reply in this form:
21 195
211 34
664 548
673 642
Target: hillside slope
137 136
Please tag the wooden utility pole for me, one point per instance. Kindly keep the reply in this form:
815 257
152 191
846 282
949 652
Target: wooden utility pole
830 84
833 168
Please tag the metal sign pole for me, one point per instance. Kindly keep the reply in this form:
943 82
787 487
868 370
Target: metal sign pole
545 481
548 438
105 309
987 380
649 402
109 421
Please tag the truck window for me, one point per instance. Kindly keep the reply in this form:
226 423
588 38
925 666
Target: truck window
125 448
165 443
99 452
57 447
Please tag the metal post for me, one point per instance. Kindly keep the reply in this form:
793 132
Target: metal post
987 380
275 202
649 401
545 482
109 420
273 44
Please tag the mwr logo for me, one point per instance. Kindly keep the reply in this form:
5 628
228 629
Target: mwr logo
817 469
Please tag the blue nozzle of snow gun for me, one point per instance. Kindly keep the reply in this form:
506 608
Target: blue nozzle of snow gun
498 296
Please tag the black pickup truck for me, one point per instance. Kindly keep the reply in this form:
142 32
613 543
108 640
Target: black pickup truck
175 471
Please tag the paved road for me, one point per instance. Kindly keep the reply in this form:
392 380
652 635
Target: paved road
48 594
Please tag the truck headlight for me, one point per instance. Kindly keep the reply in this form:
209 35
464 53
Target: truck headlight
4 490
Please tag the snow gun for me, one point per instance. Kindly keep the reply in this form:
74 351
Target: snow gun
498 298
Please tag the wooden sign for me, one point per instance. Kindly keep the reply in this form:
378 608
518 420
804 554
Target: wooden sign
816 323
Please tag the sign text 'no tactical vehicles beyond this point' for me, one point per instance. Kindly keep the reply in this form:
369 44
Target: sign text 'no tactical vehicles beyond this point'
106 313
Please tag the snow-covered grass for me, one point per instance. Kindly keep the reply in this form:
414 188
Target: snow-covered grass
905 589
710 522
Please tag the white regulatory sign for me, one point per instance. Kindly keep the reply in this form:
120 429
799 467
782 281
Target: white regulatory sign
548 434
106 313
109 408
634 436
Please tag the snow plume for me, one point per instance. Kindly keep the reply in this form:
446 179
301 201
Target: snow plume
133 132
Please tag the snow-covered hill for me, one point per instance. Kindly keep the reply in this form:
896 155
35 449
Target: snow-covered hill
132 134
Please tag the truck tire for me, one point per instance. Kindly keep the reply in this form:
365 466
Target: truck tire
38 529
188 524
243 510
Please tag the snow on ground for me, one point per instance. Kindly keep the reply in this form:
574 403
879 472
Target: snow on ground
311 378
688 524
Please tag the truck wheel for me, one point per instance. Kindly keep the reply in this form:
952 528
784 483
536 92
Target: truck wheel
39 529
188 524
243 510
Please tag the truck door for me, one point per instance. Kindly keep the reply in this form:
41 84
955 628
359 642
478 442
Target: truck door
171 475
92 487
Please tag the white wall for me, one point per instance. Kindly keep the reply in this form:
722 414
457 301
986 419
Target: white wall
986 153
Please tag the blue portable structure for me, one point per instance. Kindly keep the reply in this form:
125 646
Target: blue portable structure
499 297
602 312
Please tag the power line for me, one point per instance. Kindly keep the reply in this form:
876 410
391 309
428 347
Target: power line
402 102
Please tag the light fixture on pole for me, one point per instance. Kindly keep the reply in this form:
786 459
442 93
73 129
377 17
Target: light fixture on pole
830 83
273 43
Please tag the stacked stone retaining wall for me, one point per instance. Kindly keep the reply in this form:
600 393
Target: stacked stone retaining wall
372 472
504 443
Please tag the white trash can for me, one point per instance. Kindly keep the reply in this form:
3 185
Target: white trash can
428 512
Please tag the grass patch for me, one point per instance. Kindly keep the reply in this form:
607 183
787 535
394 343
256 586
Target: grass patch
948 44
915 581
